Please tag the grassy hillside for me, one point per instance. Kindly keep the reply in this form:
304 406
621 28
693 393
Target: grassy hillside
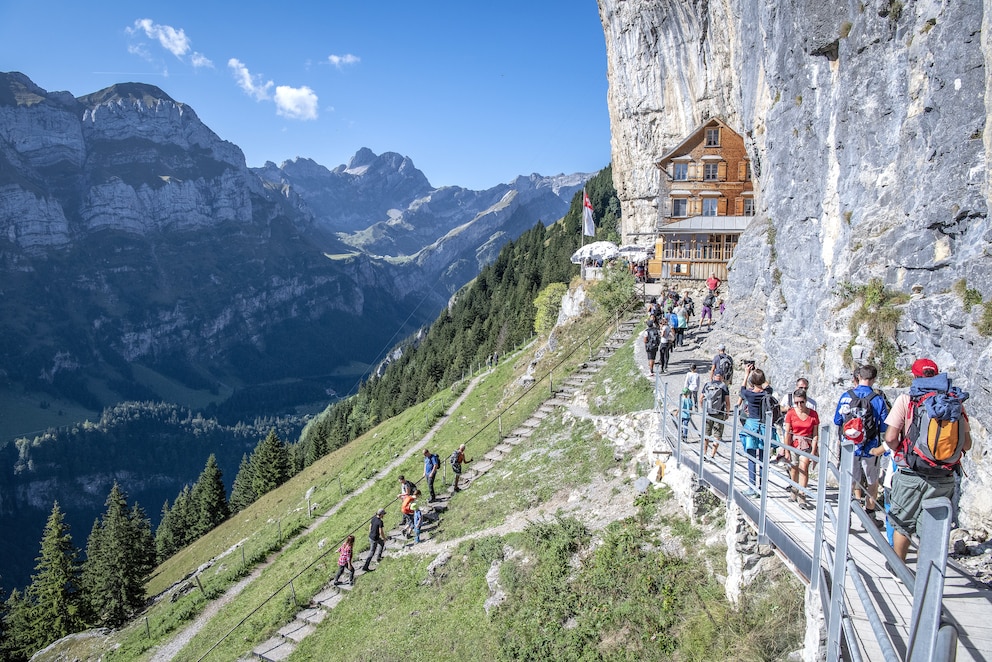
590 569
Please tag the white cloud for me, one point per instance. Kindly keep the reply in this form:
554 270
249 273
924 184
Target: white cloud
340 61
298 103
173 40
252 85
200 60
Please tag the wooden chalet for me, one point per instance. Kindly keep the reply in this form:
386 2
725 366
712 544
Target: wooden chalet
706 201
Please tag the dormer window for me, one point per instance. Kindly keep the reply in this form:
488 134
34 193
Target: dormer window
712 137
680 171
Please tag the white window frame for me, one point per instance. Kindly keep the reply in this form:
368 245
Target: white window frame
714 132
711 206
680 168
711 172
685 207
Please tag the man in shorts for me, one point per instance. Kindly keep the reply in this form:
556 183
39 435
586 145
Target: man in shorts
715 399
910 489
866 463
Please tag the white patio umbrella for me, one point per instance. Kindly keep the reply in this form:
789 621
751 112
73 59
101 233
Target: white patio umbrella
597 250
635 253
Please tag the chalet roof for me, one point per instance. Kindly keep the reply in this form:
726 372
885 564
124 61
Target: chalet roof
715 224
674 152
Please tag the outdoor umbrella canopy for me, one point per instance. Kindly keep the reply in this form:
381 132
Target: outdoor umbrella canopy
597 250
635 253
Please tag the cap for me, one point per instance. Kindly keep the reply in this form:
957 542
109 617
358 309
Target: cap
922 366
382 511
414 506
721 346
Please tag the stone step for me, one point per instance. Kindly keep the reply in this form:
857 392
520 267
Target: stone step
482 467
513 441
493 456
328 598
314 615
504 448
524 432
275 649
297 630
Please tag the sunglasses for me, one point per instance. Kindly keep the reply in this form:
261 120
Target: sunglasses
798 402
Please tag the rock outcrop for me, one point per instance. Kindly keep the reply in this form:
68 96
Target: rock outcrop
866 123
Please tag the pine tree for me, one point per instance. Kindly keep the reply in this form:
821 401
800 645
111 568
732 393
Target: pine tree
269 464
165 536
54 593
242 493
119 558
16 643
208 499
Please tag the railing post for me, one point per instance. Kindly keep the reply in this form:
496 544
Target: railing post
733 454
766 442
664 419
840 553
702 442
821 502
928 592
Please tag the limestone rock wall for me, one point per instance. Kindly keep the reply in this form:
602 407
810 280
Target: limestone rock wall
866 125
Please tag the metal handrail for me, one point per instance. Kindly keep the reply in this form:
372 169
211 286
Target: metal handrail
931 636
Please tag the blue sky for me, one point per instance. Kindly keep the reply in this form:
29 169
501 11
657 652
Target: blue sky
474 93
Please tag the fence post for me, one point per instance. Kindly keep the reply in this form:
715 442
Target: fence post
763 512
928 593
733 453
821 502
839 570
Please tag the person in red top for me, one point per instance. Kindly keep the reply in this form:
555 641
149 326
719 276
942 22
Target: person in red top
407 510
802 431
713 283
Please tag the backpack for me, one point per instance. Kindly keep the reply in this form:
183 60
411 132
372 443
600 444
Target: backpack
771 405
709 300
454 460
715 397
725 366
653 339
860 424
410 488
936 437
435 461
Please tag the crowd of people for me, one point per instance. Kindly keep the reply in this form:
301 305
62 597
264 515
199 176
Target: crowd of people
910 449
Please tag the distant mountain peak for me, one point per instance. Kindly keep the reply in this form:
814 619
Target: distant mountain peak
141 92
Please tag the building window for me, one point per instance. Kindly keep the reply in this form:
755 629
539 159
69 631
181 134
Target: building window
713 137
749 206
709 206
681 172
747 171
679 208
711 172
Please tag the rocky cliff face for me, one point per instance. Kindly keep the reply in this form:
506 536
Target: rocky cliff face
866 123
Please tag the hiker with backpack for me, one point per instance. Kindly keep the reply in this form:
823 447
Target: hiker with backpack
715 398
928 432
377 539
652 342
760 403
706 313
723 363
665 348
860 417
431 465
456 460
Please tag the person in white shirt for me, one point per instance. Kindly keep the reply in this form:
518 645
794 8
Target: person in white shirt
692 383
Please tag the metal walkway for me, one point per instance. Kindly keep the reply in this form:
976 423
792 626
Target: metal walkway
967 604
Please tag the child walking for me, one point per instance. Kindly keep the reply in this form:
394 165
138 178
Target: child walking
344 561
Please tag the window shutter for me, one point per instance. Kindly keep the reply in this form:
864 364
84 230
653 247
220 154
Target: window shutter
738 206
693 168
695 207
721 206
668 208
670 170
721 171
742 171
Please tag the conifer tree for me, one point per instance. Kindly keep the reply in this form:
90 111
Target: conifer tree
54 593
165 535
269 464
242 493
208 499
16 643
119 558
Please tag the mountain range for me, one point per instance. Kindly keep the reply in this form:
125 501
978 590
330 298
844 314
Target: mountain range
141 259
